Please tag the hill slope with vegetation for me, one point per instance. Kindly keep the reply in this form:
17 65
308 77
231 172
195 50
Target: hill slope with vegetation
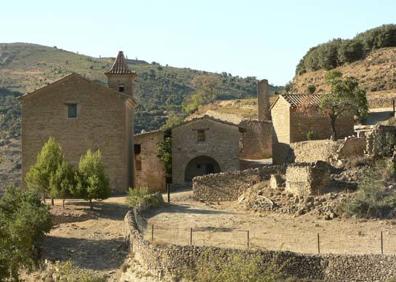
370 57
159 90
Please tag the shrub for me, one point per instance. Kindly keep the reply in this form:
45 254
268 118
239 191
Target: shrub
67 271
310 135
141 196
373 199
234 268
92 182
24 220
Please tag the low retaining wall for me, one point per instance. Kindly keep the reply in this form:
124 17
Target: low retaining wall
228 186
168 261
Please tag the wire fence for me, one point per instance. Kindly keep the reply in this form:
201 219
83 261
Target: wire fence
382 242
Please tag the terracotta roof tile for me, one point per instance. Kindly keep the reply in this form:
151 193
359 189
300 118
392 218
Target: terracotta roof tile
298 99
120 66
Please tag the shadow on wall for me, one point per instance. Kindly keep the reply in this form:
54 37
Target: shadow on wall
282 153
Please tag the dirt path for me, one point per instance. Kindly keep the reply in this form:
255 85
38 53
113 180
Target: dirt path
90 239
226 225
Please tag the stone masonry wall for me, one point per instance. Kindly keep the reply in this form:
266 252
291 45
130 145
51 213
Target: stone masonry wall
304 179
167 261
228 186
221 144
104 121
151 171
256 141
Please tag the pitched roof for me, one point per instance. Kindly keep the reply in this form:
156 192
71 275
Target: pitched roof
120 66
186 121
296 100
72 76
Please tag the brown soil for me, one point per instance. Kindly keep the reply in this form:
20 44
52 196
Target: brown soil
90 239
226 224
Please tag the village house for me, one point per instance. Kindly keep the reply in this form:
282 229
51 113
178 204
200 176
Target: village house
206 144
292 124
82 114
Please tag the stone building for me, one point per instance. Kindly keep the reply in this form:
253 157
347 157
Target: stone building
149 169
82 114
202 146
293 125
206 144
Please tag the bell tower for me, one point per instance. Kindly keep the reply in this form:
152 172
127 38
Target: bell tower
120 77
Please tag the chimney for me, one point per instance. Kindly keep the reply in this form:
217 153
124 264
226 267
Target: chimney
263 100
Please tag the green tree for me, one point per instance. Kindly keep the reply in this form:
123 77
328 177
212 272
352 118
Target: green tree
345 97
40 174
62 183
165 154
24 220
92 182
311 89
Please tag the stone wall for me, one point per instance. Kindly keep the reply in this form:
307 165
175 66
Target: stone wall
301 123
256 141
221 144
166 262
381 141
228 186
150 170
304 179
104 121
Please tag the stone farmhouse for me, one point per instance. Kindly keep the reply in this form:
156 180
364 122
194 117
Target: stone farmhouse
293 125
82 114
207 144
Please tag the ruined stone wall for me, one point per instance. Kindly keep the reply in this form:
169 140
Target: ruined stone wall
150 171
228 186
166 262
313 150
256 141
104 122
304 179
221 144
381 141
302 123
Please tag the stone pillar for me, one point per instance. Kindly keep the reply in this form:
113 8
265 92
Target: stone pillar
264 112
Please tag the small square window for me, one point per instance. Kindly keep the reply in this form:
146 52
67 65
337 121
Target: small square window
201 135
137 148
71 110
121 88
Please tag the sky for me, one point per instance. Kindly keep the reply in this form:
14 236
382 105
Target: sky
265 39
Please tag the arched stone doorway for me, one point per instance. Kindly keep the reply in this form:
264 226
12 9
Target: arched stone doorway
200 166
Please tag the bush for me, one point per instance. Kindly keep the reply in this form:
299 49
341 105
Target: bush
310 135
373 199
235 268
92 182
24 220
68 272
141 196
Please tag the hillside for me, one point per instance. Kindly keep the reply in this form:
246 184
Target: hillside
376 74
160 89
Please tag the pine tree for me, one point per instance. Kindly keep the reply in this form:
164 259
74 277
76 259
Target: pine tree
92 182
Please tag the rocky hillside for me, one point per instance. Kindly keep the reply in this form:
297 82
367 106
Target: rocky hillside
160 89
376 73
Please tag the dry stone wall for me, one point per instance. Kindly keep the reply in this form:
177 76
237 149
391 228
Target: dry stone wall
167 262
228 186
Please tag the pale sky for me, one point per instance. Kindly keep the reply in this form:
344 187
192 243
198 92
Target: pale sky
265 39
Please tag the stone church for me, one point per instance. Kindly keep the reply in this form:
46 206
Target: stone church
82 114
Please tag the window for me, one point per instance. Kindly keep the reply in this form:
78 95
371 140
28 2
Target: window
138 164
137 148
201 135
121 88
71 110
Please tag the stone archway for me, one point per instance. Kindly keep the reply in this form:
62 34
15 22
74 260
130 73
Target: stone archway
200 166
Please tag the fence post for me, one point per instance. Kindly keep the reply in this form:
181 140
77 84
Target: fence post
248 239
318 244
382 244
152 232
191 231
